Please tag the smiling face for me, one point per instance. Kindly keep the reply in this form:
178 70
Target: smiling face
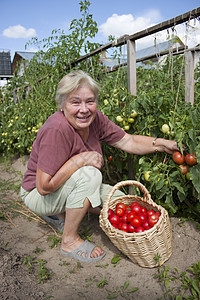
80 108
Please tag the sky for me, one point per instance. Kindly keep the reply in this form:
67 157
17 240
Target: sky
21 20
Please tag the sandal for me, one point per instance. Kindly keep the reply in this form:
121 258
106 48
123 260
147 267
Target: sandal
83 252
55 222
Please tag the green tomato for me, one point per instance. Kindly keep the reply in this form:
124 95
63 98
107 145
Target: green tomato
105 102
165 128
147 175
134 114
187 175
119 119
131 120
126 127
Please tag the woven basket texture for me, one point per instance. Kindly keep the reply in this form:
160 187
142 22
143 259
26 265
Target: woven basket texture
141 248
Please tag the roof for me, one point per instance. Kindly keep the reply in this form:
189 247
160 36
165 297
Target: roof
146 52
156 49
5 63
25 54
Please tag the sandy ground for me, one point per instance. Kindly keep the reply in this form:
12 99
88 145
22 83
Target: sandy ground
23 238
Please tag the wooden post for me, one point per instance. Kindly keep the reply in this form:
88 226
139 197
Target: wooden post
132 87
189 76
131 67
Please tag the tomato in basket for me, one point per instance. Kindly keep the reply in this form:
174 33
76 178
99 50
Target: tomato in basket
110 212
136 221
121 205
114 219
132 218
120 211
136 208
153 219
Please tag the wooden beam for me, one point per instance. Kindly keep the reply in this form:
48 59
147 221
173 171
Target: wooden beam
189 77
167 24
138 35
131 67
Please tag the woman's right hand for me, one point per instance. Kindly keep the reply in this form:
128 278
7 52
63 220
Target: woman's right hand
47 184
91 158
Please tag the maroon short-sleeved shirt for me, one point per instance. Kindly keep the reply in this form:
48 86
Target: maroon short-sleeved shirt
57 141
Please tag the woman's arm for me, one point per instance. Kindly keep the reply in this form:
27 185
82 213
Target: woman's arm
139 144
47 184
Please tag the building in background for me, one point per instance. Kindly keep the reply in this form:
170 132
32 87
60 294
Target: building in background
20 61
5 67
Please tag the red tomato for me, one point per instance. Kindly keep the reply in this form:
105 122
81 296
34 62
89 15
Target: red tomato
139 229
124 227
150 212
131 229
130 216
120 225
110 212
153 219
136 208
143 216
178 157
145 224
120 212
158 214
128 209
190 159
144 210
121 205
110 158
136 221
115 225
184 169
114 219
133 203
148 227
124 218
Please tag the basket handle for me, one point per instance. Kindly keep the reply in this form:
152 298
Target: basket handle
146 197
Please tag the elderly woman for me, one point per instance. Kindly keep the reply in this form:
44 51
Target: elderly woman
63 179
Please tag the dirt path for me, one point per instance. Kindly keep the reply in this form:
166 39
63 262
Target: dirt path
27 241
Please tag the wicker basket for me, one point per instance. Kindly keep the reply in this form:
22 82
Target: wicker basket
141 248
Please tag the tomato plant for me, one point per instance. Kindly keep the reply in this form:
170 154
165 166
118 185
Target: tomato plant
152 108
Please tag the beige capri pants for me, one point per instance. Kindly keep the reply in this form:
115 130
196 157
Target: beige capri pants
86 182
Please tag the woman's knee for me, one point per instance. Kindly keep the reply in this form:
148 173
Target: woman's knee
90 175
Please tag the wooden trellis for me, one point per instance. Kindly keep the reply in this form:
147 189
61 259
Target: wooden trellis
131 52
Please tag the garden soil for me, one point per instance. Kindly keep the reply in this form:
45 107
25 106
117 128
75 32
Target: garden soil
24 245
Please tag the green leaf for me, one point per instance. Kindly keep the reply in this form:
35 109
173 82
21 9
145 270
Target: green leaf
132 290
116 258
179 187
160 184
195 285
195 177
169 201
126 284
111 296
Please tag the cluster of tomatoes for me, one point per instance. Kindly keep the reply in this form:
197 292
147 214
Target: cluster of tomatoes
133 218
189 159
